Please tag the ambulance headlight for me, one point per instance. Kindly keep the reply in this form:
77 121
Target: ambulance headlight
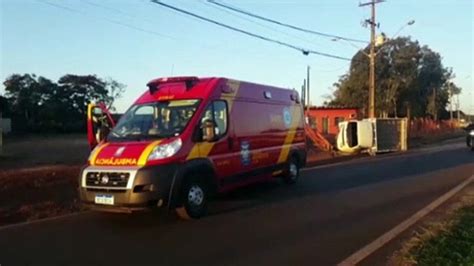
162 151
471 132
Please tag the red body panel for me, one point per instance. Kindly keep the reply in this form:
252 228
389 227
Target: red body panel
129 157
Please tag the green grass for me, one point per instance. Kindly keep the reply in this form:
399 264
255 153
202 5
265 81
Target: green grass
454 246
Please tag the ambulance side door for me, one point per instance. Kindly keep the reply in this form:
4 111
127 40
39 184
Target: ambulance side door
221 149
99 123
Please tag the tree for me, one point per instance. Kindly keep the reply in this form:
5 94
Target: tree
80 90
408 76
25 96
115 89
40 104
4 106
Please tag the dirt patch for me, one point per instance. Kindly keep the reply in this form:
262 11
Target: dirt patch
436 138
37 150
38 193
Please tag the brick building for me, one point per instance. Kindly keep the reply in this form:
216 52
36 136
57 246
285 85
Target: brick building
326 119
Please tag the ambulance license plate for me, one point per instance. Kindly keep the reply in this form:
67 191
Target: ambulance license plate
104 199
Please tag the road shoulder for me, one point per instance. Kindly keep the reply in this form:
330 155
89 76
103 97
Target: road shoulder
397 251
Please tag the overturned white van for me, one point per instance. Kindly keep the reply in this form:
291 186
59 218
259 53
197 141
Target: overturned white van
373 135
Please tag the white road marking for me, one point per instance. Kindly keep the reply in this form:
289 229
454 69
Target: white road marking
364 252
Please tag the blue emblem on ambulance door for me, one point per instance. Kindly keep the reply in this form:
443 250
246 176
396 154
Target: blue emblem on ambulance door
245 153
287 116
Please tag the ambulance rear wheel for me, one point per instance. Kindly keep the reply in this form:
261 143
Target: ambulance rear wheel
293 171
194 197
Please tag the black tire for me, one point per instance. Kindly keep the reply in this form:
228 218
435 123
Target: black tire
292 171
194 196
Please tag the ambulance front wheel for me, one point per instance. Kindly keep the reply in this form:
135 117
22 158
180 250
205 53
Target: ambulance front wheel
293 171
194 197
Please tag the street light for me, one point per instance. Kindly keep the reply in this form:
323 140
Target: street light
371 56
409 23
380 40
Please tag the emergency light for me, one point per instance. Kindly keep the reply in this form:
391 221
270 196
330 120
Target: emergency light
154 85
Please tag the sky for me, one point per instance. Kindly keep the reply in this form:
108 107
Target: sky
135 41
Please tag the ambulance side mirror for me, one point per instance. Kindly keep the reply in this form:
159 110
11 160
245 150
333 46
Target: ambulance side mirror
208 129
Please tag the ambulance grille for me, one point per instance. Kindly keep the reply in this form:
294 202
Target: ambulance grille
107 179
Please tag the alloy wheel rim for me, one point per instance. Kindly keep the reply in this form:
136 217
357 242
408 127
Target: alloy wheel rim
195 195
293 171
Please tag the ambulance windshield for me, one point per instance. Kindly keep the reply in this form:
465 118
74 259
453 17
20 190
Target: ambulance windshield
154 120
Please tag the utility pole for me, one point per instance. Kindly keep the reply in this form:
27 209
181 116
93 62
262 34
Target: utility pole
305 105
435 108
373 24
450 102
303 93
307 87
458 106
1 134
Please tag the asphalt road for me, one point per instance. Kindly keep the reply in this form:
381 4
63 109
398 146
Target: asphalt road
332 212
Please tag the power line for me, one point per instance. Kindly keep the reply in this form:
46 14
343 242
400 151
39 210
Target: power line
106 19
304 51
257 23
238 10
117 11
133 16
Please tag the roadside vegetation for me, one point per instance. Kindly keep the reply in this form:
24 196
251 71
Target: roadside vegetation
454 246
446 240
37 104
411 81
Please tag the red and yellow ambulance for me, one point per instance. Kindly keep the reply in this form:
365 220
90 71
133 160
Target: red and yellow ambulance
187 138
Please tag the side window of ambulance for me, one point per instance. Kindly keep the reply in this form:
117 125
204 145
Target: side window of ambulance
217 111
220 117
